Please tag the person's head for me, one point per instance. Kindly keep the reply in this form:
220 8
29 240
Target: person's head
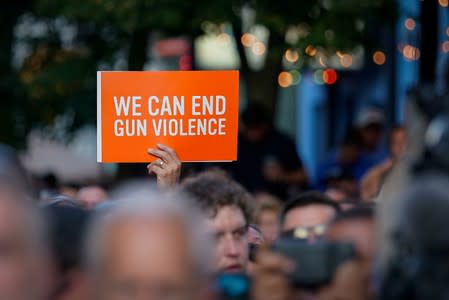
255 122
357 226
349 149
148 246
371 123
308 215
267 218
11 167
67 227
91 196
226 204
398 142
24 257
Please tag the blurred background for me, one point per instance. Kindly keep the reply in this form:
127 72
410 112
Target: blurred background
314 65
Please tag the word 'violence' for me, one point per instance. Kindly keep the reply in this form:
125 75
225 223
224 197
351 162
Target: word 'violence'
167 116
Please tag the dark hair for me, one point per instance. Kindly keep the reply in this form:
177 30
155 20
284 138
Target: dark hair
306 199
67 226
359 212
212 190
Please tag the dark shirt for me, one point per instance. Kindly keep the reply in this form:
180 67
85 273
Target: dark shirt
252 157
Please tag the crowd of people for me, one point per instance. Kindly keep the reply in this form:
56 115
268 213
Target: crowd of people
174 238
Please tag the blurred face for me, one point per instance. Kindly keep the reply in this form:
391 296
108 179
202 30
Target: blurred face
21 267
268 224
361 233
310 217
230 230
398 144
349 154
371 136
92 196
146 259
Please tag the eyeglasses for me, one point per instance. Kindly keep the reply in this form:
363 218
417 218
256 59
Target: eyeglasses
304 232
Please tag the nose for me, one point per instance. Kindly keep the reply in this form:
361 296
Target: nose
231 247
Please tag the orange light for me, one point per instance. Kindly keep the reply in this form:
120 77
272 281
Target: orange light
291 55
248 39
444 3
411 53
339 54
285 79
379 58
447 31
445 47
410 24
330 76
346 60
310 50
258 48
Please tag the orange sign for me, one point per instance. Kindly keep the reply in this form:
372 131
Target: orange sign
193 112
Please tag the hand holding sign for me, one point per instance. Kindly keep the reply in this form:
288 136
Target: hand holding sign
167 166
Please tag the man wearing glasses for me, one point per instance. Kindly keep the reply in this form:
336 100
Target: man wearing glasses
307 216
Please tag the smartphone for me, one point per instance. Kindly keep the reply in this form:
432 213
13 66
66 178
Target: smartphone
315 263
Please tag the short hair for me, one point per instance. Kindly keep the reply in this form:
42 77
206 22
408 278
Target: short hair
140 200
266 204
357 213
212 190
306 199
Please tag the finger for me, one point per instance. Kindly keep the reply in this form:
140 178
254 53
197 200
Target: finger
169 150
165 156
272 261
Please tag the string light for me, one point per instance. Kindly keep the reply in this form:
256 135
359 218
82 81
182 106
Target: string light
258 48
410 24
444 3
285 79
310 50
379 58
346 60
248 39
291 55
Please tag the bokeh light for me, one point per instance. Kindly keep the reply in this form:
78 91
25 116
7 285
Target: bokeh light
258 48
248 39
379 58
291 55
410 24
330 76
318 77
411 53
445 47
346 60
285 79
310 50
443 3
296 76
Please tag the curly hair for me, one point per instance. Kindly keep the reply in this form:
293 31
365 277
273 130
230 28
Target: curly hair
212 190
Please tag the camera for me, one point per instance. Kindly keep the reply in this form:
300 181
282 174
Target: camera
315 263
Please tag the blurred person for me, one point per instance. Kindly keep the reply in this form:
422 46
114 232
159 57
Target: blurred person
346 161
370 124
11 167
356 226
267 159
227 206
91 196
50 186
69 190
372 181
166 167
267 217
25 268
307 216
341 185
67 228
148 246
